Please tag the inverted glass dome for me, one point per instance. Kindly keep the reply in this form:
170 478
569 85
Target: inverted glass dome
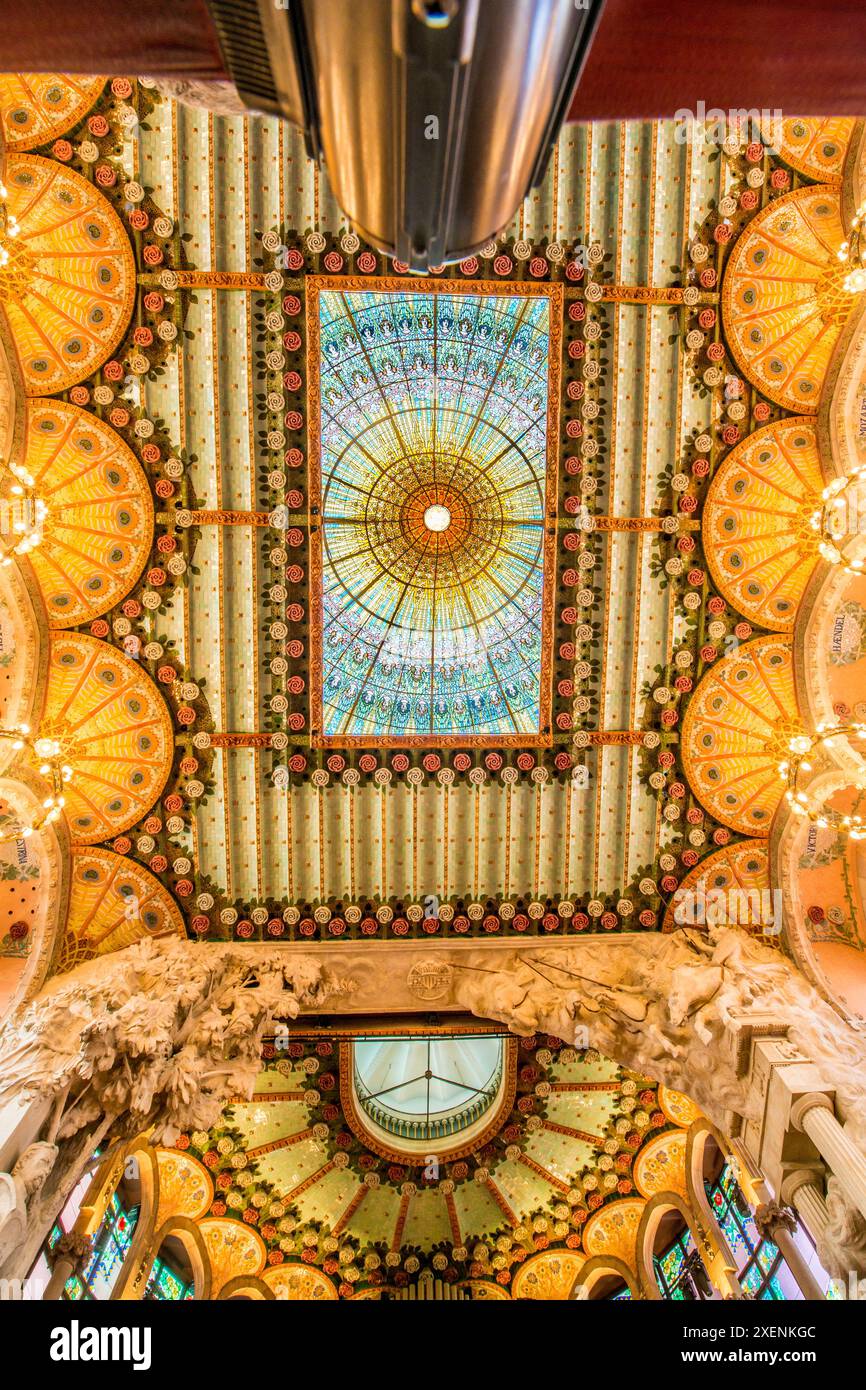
423 1089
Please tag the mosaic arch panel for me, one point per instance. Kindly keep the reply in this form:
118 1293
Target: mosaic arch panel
185 1188
99 527
35 107
550 1275
116 733
434 416
679 1108
232 1248
783 305
299 1283
813 145
743 866
661 1165
113 902
736 731
69 286
757 540
613 1230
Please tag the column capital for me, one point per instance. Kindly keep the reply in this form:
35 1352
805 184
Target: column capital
813 1100
797 1178
71 1246
771 1217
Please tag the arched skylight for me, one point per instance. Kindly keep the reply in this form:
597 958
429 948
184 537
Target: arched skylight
425 1088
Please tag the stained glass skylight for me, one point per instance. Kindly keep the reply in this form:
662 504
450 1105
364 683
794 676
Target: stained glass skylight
437 505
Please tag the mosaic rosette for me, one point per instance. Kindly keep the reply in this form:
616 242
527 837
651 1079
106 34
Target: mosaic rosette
37 106
755 529
99 528
736 732
783 304
433 555
115 731
69 285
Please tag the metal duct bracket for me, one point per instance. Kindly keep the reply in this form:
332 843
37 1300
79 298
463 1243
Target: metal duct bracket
433 45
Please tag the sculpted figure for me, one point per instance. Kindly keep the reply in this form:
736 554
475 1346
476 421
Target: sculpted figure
17 1190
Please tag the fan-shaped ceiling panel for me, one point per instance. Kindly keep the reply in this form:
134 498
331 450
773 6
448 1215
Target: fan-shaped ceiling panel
736 732
742 868
35 107
783 304
68 287
756 533
813 145
115 731
113 902
99 527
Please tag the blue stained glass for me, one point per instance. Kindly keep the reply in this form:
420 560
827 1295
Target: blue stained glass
757 1259
433 458
109 1249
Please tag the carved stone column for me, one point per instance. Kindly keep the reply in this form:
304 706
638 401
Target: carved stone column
777 1223
813 1114
800 1190
69 1255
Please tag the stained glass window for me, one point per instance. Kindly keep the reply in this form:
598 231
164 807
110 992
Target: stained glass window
759 1262
41 1271
164 1285
434 494
110 1247
672 1269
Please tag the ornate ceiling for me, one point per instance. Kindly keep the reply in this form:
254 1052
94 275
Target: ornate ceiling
369 607
313 1209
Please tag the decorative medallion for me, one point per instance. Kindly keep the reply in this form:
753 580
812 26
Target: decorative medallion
115 732
430 979
37 106
755 529
98 530
736 732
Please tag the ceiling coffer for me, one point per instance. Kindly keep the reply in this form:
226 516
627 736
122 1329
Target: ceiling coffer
433 118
